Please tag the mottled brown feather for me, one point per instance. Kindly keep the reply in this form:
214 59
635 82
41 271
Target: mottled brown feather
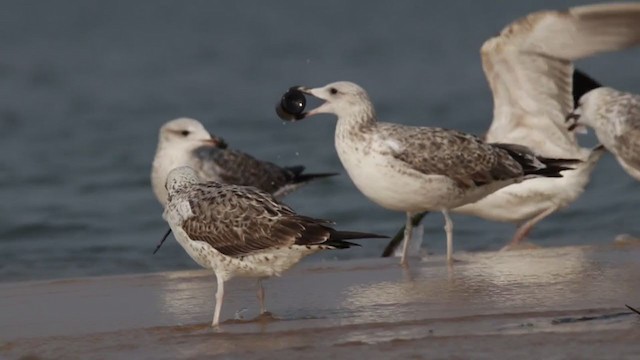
238 220
462 157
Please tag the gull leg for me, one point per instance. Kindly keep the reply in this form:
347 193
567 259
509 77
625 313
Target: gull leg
407 237
219 297
263 309
448 228
397 239
526 228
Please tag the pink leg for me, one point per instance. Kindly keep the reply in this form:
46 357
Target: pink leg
525 228
263 308
219 297
448 228
407 238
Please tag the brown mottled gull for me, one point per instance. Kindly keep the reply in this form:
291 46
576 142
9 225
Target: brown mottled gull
243 231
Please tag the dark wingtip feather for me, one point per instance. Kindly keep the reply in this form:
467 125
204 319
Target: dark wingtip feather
582 84
295 170
340 244
337 238
296 175
531 163
308 177
553 167
352 235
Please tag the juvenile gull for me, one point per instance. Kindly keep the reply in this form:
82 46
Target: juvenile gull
185 141
416 169
615 117
243 231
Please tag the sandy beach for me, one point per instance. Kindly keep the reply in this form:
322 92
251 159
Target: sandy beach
548 303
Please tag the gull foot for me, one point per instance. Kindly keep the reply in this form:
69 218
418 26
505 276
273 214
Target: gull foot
626 239
524 245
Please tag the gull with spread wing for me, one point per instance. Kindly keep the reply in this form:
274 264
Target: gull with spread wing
529 67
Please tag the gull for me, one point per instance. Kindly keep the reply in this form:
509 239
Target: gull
529 67
185 141
243 231
615 117
416 169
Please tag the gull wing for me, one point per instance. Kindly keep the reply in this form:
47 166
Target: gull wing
529 69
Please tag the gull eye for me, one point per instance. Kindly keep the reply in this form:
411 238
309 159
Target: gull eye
185 133
333 91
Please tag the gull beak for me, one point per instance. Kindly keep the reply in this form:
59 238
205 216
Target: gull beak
318 94
216 142
574 125
291 106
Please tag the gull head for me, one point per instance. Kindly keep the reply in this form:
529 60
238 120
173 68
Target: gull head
187 132
343 99
590 107
181 178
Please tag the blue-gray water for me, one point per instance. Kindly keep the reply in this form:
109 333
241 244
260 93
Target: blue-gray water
85 85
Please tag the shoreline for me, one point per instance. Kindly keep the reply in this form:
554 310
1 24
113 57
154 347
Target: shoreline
568 294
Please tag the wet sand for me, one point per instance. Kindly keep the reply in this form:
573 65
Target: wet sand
545 303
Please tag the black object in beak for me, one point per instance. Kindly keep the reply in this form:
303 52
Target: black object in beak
291 105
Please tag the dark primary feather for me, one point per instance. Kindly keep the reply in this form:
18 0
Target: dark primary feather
238 168
537 165
296 175
237 221
582 84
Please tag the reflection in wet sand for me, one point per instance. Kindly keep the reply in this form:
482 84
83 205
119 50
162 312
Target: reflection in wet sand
183 297
558 278
338 307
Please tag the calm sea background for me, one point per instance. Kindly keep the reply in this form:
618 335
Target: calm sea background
85 85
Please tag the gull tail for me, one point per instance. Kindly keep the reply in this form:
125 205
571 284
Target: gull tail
297 176
538 165
337 238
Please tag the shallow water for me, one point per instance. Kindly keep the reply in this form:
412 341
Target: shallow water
85 85
566 302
